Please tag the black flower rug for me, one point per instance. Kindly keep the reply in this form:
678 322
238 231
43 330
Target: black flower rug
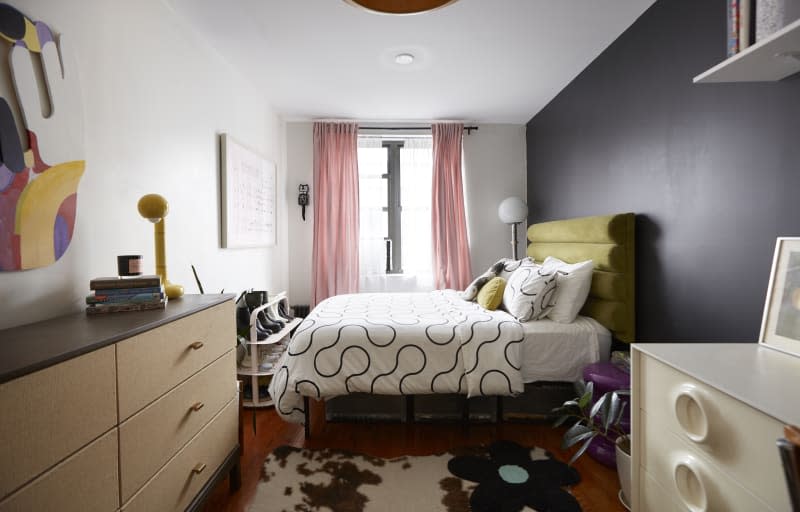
503 477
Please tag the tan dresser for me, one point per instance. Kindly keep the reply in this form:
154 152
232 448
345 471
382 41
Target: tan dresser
705 420
129 411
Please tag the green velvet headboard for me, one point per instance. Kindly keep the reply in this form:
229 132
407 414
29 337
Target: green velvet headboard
609 241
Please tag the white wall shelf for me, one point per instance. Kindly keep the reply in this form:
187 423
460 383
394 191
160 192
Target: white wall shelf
769 60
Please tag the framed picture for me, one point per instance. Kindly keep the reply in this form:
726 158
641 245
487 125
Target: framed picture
780 325
247 189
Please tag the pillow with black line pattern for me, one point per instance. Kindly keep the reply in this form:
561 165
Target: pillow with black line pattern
530 293
504 267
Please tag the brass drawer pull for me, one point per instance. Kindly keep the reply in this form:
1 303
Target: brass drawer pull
198 468
197 406
196 345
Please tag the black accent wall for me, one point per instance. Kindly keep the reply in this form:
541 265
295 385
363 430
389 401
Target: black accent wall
712 170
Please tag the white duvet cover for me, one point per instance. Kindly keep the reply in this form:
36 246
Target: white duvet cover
398 343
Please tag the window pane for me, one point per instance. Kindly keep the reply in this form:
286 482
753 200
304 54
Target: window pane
372 197
416 164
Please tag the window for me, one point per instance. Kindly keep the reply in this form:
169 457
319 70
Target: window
395 175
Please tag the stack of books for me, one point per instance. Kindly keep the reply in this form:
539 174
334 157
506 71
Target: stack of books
115 294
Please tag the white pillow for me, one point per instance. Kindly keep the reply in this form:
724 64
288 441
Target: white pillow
572 287
506 266
502 268
529 292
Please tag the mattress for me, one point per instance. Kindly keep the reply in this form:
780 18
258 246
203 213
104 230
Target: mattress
558 352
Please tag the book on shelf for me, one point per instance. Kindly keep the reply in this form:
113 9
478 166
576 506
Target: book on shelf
733 27
746 23
129 298
97 309
111 283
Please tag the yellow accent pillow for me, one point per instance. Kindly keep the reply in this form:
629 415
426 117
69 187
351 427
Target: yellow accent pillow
491 294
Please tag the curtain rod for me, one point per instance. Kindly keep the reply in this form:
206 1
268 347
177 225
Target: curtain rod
401 128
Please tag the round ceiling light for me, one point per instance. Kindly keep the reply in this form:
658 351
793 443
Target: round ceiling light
404 59
400 6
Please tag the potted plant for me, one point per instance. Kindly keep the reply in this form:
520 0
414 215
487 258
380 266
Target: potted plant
601 418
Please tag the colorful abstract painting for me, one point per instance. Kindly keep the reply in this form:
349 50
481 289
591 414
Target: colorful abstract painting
38 185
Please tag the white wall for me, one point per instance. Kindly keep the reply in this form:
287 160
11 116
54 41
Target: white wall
494 168
300 169
155 98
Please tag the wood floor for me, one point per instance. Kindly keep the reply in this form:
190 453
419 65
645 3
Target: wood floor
597 491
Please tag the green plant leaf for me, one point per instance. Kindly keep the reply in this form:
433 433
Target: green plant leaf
613 416
566 443
597 405
620 414
605 413
585 398
575 434
581 450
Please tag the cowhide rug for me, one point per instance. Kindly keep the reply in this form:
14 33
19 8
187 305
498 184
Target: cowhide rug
505 477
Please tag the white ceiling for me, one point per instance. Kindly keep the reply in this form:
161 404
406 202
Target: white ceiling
489 61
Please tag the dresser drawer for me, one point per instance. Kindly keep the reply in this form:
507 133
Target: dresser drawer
47 415
154 362
654 497
149 438
732 434
86 481
688 474
174 487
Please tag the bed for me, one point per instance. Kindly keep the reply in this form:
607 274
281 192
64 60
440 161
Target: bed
404 345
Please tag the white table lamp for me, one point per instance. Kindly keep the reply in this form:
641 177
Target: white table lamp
513 210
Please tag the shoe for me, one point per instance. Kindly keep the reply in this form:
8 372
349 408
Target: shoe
266 322
283 309
274 318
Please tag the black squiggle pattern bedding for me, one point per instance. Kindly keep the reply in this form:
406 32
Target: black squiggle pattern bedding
397 344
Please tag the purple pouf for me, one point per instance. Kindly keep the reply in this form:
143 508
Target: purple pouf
608 377
603 451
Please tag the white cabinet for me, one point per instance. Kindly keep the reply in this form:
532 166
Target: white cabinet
706 417
262 357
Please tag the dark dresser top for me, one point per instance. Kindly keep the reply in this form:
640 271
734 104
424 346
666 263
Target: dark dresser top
28 348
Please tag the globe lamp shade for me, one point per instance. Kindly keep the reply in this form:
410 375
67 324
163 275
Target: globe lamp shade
512 209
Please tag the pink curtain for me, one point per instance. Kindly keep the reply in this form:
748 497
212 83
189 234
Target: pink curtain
451 265
335 192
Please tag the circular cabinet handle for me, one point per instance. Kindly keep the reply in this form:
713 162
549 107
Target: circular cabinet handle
197 406
197 345
198 468
690 412
689 482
